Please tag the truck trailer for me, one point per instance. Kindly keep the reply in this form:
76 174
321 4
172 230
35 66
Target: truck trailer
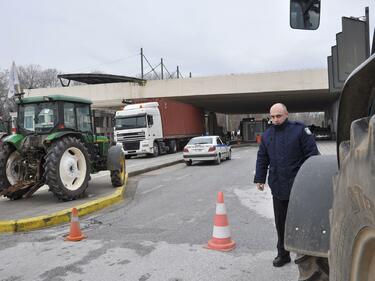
158 126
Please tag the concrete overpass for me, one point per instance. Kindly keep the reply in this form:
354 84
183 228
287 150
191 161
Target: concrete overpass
301 91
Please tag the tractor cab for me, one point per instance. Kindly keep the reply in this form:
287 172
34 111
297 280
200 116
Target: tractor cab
50 114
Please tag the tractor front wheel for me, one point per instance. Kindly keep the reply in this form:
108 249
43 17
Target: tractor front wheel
67 168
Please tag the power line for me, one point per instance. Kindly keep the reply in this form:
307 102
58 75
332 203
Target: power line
109 62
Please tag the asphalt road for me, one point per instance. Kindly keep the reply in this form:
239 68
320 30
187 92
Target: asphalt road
158 233
44 203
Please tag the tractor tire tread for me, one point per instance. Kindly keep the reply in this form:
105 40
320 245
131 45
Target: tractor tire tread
51 166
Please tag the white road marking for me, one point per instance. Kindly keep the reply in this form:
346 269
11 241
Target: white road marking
182 177
258 201
152 189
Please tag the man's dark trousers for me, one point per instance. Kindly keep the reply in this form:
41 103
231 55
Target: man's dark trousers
280 208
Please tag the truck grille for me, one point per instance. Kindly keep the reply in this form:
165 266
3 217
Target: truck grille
131 137
131 145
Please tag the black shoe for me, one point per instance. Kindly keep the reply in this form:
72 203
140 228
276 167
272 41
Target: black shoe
281 260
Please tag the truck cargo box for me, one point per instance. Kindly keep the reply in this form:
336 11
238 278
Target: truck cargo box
179 119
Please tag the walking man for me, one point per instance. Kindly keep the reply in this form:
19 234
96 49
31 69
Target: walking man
285 146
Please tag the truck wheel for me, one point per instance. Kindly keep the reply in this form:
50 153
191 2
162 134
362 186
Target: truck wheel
218 159
67 168
10 171
352 251
172 146
156 149
312 268
118 176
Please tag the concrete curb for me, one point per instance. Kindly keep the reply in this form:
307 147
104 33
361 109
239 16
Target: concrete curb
64 215
157 167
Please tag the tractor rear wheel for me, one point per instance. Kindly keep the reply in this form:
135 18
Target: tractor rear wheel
67 168
352 251
312 268
10 170
118 176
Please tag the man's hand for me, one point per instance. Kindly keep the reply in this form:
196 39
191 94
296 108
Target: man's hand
260 186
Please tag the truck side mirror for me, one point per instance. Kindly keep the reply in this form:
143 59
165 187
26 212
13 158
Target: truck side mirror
150 120
304 14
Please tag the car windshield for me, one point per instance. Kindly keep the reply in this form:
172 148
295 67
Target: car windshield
38 117
132 122
200 141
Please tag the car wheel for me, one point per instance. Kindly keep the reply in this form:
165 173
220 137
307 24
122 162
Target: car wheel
188 163
218 160
229 157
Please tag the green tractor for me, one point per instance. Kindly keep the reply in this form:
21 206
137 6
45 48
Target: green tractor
55 144
4 128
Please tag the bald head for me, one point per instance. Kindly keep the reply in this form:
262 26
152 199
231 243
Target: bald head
279 113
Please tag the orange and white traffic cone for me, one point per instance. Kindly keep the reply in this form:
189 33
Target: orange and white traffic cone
75 233
221 240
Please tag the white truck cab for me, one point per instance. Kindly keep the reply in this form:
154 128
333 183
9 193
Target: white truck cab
138 127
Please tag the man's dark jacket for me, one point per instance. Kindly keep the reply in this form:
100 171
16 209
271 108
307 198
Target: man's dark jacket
283 150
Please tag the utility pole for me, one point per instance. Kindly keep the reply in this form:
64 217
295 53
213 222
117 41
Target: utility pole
161 66
367 32
178 72
141 63
189 74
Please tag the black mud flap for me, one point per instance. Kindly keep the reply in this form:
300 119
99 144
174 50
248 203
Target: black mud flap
115 154
307 229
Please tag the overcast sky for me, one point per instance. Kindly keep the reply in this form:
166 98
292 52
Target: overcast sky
206 37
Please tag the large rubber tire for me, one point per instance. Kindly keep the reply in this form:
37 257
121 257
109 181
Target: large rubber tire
218 159
352 250
229 157
6 153
67 168
312 268
156 150
118 176
172 146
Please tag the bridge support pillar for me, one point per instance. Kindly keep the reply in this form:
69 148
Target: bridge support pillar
331 116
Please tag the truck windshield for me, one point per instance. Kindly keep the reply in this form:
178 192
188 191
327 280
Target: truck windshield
132 122
38 117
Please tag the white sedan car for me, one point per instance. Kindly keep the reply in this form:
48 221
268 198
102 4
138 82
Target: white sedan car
206 148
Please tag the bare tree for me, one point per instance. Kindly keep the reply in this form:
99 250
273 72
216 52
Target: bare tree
33 76
48 78
4 74
30 77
